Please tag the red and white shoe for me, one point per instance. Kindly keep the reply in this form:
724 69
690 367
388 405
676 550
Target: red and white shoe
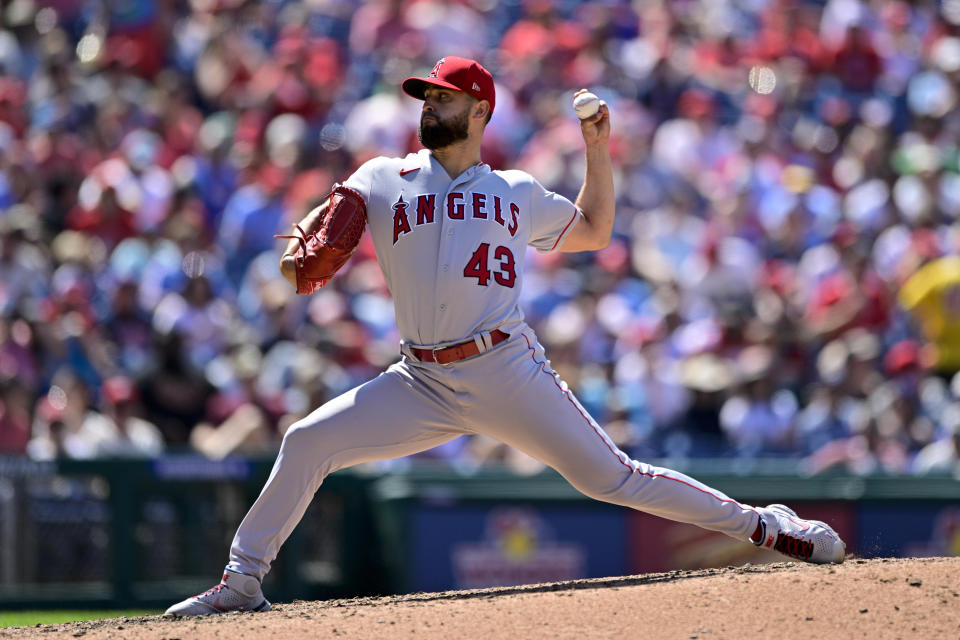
807 540
236 592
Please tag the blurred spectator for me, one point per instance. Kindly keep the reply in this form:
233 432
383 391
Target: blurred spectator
130 328
14 417
117 430
875 444
202 320
856 62
825 418
943 454
379 28
697 431
58 420
175 393
18 353
52 440
244 415
759 418
24 269
932 295
252 215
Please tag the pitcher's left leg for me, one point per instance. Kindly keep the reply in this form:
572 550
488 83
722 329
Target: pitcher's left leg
522 402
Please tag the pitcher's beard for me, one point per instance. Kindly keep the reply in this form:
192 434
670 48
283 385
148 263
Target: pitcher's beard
437 134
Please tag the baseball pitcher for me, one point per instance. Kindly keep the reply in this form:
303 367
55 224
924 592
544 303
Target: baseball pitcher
450 236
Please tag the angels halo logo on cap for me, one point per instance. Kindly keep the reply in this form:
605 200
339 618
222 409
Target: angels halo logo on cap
459 74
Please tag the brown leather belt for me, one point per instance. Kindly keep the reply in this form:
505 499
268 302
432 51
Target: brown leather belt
446 355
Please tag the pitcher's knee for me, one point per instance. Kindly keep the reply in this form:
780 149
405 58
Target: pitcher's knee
302 437
606 487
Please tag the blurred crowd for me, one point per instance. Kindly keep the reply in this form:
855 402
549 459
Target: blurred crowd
783 281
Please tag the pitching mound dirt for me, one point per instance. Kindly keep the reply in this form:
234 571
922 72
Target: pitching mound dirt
882 598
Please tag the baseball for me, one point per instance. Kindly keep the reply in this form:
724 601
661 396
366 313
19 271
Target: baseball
585 104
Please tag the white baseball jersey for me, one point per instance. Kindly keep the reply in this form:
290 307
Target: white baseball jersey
452 249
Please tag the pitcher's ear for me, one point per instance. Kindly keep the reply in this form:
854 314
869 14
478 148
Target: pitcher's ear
481 110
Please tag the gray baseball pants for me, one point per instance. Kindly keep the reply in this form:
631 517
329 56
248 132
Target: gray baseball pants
509 393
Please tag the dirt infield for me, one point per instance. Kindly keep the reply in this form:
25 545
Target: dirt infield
881 598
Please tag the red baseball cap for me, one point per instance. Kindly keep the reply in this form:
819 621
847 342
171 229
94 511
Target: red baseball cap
459 74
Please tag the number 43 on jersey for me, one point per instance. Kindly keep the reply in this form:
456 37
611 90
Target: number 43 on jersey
479 266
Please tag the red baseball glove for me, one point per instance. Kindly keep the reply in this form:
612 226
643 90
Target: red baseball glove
323 252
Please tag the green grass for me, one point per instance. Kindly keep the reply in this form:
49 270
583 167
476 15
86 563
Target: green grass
30 618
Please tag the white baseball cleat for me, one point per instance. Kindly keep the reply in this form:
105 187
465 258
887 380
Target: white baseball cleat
236 592
807 540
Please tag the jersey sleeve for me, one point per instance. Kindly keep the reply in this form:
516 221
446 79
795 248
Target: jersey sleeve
552 217
362 179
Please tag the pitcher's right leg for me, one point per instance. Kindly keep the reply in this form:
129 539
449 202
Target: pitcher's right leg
393 415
